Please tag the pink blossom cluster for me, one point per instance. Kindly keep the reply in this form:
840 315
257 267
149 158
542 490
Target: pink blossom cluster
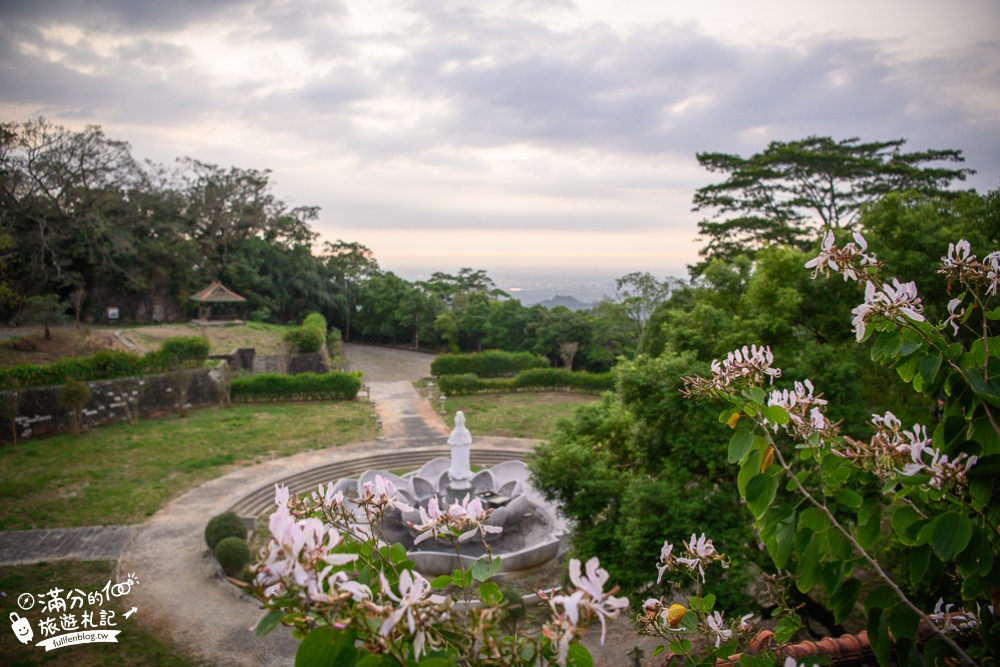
588 599
465 518
890 302
882 300
415 603
852 261
955 621
805 411
301 554
698 553
894 451
961 265
746 366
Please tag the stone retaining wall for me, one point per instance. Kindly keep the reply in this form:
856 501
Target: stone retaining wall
40 415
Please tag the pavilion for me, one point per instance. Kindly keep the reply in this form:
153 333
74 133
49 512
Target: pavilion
216 294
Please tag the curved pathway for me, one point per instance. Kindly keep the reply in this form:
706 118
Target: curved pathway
184 594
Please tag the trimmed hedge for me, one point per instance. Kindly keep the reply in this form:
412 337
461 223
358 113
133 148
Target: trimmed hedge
189 351
539 379
310 336
302 387
489 364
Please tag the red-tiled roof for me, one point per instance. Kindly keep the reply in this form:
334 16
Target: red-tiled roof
217 293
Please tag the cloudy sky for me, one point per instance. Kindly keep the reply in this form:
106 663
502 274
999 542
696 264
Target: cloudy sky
509 133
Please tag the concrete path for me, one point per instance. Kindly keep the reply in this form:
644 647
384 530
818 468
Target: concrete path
21 547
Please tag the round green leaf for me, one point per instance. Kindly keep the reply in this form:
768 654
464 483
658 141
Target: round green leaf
760 493
948 534
739 445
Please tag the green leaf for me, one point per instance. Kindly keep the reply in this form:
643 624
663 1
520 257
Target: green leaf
483 569
882 597
748 469
903 622
442 581
778 532
929 367
920 558
397 553
681 646
660 648
807 555
579 656
948 534
327 646
739 445
432 662
775 414
869 523
268 622
886 346
844 598
701 605
756 394
760 493
848 498
490 593
878 636
787 627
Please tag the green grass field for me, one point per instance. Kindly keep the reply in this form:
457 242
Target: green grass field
521 415
121 474
136 644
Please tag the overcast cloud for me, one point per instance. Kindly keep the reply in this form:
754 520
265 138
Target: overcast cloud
446 134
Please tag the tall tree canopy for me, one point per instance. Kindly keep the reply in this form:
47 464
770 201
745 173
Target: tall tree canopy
793 191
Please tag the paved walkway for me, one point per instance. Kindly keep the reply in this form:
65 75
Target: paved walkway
183 595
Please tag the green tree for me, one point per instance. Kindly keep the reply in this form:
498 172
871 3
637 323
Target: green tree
640 293
351 264
47 310
791 191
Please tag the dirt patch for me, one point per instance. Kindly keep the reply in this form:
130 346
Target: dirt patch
67 341
27 345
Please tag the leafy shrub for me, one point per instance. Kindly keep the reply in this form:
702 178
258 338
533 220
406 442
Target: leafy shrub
186 350
536 379
190 351
310 336
222 526
300 387
233 554
489 364
73 395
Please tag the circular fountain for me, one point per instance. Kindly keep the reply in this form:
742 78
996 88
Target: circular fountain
531 528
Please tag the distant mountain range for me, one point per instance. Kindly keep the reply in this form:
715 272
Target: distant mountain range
568 301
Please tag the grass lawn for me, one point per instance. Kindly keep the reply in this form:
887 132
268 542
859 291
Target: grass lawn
122 474
136 645
520 415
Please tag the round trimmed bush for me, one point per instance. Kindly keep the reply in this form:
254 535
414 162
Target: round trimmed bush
221 526
233 554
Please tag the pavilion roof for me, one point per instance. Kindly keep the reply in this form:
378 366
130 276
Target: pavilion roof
217 293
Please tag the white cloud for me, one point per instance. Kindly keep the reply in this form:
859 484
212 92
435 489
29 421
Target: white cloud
408 121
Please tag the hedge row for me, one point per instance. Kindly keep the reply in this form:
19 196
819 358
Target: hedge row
189 351
301 387
536 379
310 336
489 364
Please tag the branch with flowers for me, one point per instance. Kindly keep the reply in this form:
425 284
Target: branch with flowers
354 600
825 503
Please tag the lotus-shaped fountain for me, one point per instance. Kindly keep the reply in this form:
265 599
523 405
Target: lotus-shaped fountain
530 528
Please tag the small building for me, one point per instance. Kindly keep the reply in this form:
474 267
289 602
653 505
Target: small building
218 303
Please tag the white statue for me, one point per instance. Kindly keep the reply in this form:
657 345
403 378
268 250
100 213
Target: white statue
460 440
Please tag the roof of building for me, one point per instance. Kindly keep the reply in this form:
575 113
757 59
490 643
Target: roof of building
217 293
